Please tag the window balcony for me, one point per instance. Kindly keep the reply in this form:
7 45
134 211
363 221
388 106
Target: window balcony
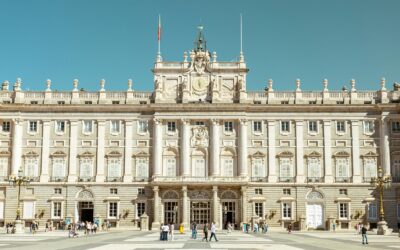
113 179
58 179
3 178
367 179
259 179
201 179
34 178
140 179
343 179
86 179
287 179
396 179
315 179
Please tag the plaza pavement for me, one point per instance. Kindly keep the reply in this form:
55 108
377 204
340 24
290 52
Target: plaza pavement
137 240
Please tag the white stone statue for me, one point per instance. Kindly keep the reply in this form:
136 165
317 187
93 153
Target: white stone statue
325 83
75 85
129 84
102 84
298 85
48 84
353 85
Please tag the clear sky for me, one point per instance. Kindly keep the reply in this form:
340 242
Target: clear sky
283 40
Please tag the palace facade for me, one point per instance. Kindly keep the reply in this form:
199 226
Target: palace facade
202 148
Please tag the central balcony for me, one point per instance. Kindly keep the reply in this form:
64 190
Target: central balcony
201 179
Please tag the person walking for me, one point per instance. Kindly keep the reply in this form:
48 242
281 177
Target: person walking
194 230
289 228
171 230
265 228
213 231
230 227
205 231
364 235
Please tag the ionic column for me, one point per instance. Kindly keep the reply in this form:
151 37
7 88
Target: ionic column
385 150
184 207
299 152
215 205
355 148
243 148
73 141
271 152
185 147
327 152
128 151
16 147
244 205
157 147
214 154
100 151
155 225
44 173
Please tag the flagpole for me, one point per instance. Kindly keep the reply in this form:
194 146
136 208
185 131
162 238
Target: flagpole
241 57
159 39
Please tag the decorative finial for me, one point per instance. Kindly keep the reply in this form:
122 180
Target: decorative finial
241 55
129 84
353 85
214 56
5 85
200 43
383 82
102 84
75 85
270 82
325 83
48 85
185 56
17 84
298 84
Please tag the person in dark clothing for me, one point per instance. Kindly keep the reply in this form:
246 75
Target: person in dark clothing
364 235
205 231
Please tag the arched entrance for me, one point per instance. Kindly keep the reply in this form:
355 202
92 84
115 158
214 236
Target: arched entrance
200 208
84 210
229 205
171 207
315 210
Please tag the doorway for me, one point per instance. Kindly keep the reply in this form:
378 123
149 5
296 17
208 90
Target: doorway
200 212
228 211
315 216
171 212
85 209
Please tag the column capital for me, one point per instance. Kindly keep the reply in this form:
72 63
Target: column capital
215 121
46 122
17 121
185 121
327 122
299 122
129 122
157 121
215 189
73 122
355 122
184 189
155 189
243 189
271 122
101 122
243 121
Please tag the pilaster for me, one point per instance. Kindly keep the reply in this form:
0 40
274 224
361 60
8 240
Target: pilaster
215 205
16 146
155 225
385 150
299 152
44 173
355 148
243 148
185 207
215 148
185 147
271 152
157 147
244 205
100 150
73 141
128 151
327 152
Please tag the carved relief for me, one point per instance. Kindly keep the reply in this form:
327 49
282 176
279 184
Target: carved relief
170 195
85 194
314 195
199 195
229 195
200 137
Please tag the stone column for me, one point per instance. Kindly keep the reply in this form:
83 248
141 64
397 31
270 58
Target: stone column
73 141
243 148
299 152
355 148
157 147
100 150
185 147
215 148
244 205
128 151
16 147
44 173
215 205
185 207
271 152
155 226
327 152
385 150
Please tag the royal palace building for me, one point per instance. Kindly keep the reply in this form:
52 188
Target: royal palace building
201 148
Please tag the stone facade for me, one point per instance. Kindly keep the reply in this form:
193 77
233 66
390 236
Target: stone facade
202 148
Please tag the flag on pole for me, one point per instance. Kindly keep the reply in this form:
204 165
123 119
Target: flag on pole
159 28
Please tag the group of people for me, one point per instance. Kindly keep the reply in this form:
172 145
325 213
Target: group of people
167 231
255 227
10 227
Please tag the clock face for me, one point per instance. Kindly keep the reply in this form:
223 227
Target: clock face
200 84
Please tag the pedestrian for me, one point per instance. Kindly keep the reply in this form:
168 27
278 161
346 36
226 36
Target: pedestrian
265 228
213 231
165 230
255 228
205 231
46 227
181 229
194 230
230 227
358 228
334 226
289 228
171 229
364 234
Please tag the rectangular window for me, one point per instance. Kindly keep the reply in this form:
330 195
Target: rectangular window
258 167
171 126
285 126
341 127
61 102
199 123
287 210
171 167
86 167
369 127
1 209
286 191
257 126
113 191
115 102
343 191
341 167
87 126
114 167
258 191
143 127
59 167
285 167
31 166
113 209
140 208
88 102
398 211
33 126
258 206
372 211
142 167
56 209
115 127
343 210
396 126
314 169
57 190
228 167
60 126
6 127
313 126
228 126
3 166
141 191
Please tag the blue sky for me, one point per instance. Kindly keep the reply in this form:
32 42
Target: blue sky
283 40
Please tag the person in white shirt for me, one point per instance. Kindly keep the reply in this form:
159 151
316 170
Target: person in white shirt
213 231
171 230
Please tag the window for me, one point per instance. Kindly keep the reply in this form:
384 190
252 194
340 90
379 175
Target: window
115 127
258 167
1 209
199 123
57 191
396 166
285 167
343 210
112 209
369 127
142 167
171 126
115 102
372 211
313 126
199 168
258 191
286 191
341 167
312 102
343 191
314 169
33 126
370 169
228 167
228 126
257 126
34 102
59 167
171 167
114 167
396 126
287 210
6 127
60 126
113 191
4 166
57 209
28 209
341 127
61 102
143 127
285 126
141 191
87 127
398 211
85 170
88 102
140 208
258 206
31 167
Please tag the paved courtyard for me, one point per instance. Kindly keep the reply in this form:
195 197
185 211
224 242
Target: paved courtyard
124 240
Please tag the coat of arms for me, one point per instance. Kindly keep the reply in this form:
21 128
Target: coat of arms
200 137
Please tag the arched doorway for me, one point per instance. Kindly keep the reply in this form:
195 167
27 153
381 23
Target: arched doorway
171 207
315 210
229 205
84 210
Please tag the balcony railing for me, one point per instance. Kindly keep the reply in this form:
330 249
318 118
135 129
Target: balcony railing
58 179
34 178
259 179
396 179
113 179
3 178
198 179
367 179
342 179
140 179
286 179
315 179
86 179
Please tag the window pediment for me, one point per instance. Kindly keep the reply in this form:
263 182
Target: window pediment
86 154
114 154
370 154
141 154
258 154
31 154
341 154
58 154
285 154
313 154
5 153
228 151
